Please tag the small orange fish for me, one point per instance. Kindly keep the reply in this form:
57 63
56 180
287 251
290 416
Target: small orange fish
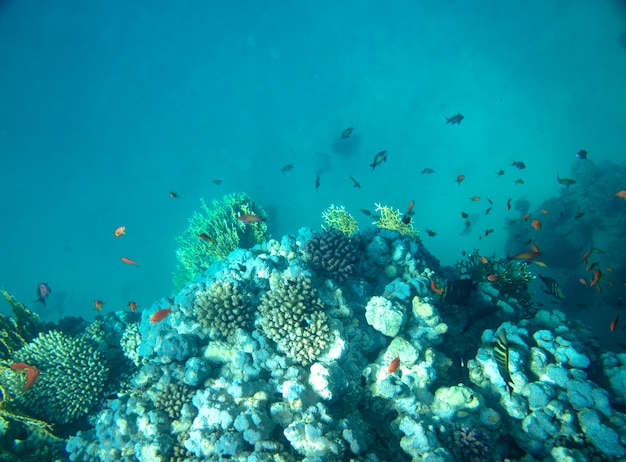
173 195
539 263
484 260
525 217
97 305
394 365
205 237
433 285
250 218
609 268
475 198
586 257
582 281
544 211
591 266
460 178
536 224
493 277
528 255
533 247
160 315
621 194
32 373
129 261
409 209
120 231
613 324
133 306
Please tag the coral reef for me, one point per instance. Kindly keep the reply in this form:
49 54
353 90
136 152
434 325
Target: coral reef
72 376
339 218
222 308
332 254
17 331
224 233
292 316
393 220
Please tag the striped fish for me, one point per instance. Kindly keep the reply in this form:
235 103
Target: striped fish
457 292
501 353
553 287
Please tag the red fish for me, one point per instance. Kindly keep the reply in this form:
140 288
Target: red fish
129 261
433 285
536 224
97 305
475 198
394 365
160 315
133 306
31 373
460 178
43 292
250 218
528 255
613 324
525 217
544 211
586 257
621 194
493 277
120 231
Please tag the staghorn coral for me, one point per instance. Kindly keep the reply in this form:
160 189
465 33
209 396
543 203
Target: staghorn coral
332 254
222 308
72 376
339 218
392 219
292 316
225 234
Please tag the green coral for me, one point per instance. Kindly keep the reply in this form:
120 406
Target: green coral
292 316
339 218
390 218
71 377
222 308
17 331
219 222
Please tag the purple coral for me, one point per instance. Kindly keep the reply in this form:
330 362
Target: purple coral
332 254
471 445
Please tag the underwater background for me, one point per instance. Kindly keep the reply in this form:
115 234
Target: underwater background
109 107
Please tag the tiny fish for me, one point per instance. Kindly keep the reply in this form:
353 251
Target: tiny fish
565 181
43 292
490 201
464 215
519 181
474 198
366 212
582 154
613 324
120 231
488 232
488 210
455 119
160 315
128 261
133 306
508 204
379 159
346 133
248 218
519 165
539 263
394 365
409 209
430 233
317 182
579 215
544 211
428 171
286 168
354 182
205 237
536 224
97 305
499 173
460 178
493 277
621 194
217 182
173 195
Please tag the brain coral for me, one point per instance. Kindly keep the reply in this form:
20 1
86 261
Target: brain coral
332 254
222 309
71 377
292 316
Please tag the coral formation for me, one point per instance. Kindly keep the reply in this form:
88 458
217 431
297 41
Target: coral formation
17 331
332 254
224 233
222 308
393 220
292 316
339 218
72 376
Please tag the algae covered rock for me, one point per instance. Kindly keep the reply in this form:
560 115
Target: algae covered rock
71 377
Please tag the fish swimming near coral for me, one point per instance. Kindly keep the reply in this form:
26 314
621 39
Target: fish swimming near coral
582 154
501 354
248 218
32 373
379 159
133 306
43 292
160 315
97 305
565 181
394 365
613 324
621 194
455 119
457 292
553 287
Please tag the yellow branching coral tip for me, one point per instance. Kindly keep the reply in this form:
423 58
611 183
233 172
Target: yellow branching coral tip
390 218
339 218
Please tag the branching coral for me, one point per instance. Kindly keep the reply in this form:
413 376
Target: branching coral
332 254
17 332
339 218
71 377
393 219
221 233
222 308
292 316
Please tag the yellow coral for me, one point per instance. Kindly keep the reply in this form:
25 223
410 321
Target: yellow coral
339 218
390 218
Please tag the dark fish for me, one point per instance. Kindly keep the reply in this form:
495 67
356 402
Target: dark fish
173 195
379 159
43 292
519 181
286 168
553 287
565 181
488 210
428 171
366 212
582 154
519 165
490 201
455 119
464 215
430 233
356 183
317 182
579 215
205 237
346 133
217 182
457 292
501 355
406 219
500 172
488 232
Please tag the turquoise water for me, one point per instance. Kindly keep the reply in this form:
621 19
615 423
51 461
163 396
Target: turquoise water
109 106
